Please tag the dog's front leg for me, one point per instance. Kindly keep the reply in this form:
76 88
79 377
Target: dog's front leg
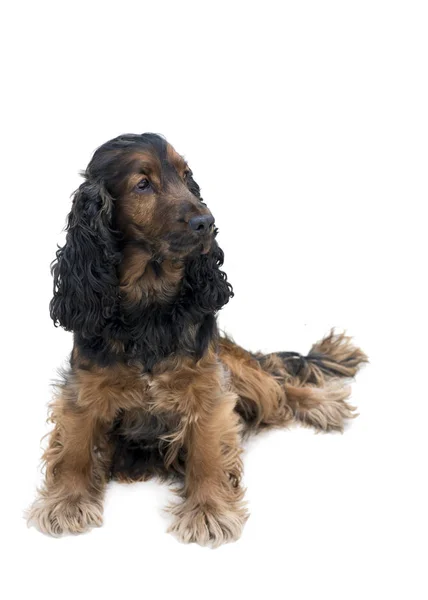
70 500
77 458
212 510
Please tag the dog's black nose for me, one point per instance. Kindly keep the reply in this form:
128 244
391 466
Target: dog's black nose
201 224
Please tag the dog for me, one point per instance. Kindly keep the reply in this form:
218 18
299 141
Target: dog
152 388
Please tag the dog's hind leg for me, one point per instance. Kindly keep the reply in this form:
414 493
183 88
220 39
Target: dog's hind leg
325 408
262 401
277 388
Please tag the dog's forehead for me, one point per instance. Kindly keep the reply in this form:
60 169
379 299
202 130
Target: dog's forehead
143 161
149 161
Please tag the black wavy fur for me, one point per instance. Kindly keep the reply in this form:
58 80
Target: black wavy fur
85 279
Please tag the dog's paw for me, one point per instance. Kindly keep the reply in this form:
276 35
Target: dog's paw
207 525
58 515
327 407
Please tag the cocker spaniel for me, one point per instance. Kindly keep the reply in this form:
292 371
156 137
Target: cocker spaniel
152 388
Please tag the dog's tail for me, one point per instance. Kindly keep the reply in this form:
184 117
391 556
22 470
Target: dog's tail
335 356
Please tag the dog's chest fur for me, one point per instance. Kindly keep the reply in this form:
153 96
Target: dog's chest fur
141 442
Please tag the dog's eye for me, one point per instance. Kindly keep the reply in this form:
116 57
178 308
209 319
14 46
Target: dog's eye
187 174
143 185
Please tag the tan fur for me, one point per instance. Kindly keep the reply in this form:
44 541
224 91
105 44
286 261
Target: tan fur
275 397
324 408
258 393
176 160
77 456
148 163
339 347
56 514
210 433
208 430
138 281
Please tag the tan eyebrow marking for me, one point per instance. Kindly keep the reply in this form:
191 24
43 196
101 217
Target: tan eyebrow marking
141 163
176 160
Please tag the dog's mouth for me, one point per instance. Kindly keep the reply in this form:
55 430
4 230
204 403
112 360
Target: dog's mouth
182 244
207 240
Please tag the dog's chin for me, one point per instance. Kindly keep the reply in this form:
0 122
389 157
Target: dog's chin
206 245
197 248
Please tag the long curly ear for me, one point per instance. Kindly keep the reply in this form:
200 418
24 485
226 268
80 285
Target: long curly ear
85 269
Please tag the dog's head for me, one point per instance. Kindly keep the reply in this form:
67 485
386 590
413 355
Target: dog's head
137 217
157 201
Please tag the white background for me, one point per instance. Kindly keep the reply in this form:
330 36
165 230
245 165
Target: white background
306 126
